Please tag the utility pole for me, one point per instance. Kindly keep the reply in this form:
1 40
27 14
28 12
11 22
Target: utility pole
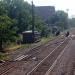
67 20
33 20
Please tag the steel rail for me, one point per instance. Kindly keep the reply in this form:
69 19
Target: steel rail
45 58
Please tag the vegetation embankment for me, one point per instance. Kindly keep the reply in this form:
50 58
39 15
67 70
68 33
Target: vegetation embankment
16 17
14 47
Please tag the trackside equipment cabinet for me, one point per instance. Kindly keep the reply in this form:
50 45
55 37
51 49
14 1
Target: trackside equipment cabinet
29 38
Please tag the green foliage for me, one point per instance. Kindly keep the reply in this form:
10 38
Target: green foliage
7 30
16 17
45 31
2 8
3 57
60 19
19 10
72 22
38 23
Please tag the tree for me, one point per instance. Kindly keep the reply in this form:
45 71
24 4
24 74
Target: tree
38 23
2 8
60 19
19 10
7 30
45 31
63 18
72 22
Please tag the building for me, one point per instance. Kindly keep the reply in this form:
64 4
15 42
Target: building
44 11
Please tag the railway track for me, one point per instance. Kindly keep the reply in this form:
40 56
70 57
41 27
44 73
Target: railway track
37 50
9 66
43 67
32 50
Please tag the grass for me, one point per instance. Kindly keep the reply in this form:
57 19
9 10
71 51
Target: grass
3 56
14 46
45 40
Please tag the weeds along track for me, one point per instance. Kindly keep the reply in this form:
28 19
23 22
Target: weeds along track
47 62
34 49
40 52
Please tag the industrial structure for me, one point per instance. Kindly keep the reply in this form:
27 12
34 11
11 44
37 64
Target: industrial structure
31 35
44 12
28 36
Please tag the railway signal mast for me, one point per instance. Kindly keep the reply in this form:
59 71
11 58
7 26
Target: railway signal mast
67 20
33 20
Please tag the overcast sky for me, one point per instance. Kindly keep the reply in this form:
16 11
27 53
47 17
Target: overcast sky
59 5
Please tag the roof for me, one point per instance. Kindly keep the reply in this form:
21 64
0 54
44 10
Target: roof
30 31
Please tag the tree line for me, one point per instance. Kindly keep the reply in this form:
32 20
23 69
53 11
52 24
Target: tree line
16 17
